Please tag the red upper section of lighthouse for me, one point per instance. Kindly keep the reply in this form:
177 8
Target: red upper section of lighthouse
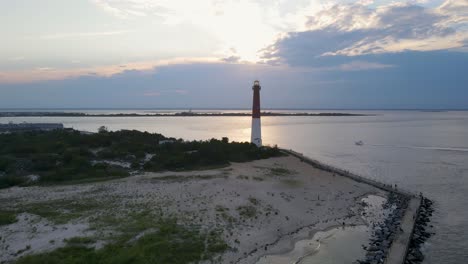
256 100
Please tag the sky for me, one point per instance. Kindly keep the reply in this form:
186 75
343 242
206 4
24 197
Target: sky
206 54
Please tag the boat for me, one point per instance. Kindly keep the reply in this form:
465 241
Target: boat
359 143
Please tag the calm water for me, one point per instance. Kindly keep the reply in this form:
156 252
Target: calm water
325 247
422 151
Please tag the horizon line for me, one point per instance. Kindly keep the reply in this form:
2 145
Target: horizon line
233 108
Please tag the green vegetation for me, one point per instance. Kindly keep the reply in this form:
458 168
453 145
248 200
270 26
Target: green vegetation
247 211
292 183
220 208
224 213
80 241
242 177
21 251
276 171
61 156
280 171
143 238
61 211
254 201
181 178
7 217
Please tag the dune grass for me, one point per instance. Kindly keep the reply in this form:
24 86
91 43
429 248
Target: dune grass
143 238
7 217
61 211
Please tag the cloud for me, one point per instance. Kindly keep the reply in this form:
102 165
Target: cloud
456 12
129 8
166 92
356 29
434 79
246 25
44 69
152 93
308 47
343 17
83 34
231 59
181 92
363 65
19 58
399 20
48 73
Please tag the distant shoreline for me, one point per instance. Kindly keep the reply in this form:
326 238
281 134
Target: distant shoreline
178 114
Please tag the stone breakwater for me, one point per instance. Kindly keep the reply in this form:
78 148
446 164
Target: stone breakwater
393 241
420 234
337 171
384 232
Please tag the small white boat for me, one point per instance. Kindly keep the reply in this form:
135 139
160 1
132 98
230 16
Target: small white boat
359 143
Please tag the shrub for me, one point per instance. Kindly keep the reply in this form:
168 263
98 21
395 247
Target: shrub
63 155
7 217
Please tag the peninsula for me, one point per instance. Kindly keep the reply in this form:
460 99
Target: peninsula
175 114
115 197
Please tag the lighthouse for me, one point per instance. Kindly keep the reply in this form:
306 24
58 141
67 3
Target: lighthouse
256 136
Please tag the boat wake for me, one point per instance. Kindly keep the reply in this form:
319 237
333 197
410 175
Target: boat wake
423 147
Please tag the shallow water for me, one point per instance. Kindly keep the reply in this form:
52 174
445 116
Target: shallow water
422 151
338 244
325 247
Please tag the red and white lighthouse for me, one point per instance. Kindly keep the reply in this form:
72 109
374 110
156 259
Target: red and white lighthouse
256 136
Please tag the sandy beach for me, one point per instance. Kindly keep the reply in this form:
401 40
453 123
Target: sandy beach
261 207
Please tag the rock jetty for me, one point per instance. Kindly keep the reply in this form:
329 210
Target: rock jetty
420 233
384 232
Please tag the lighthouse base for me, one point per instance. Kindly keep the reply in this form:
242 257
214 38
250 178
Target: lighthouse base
256 136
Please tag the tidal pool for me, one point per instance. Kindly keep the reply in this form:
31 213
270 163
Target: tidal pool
336 245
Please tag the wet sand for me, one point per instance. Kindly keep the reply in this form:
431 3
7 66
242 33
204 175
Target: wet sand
342 244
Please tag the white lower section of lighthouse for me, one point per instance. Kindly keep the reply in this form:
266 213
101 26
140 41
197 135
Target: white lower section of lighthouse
256 136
